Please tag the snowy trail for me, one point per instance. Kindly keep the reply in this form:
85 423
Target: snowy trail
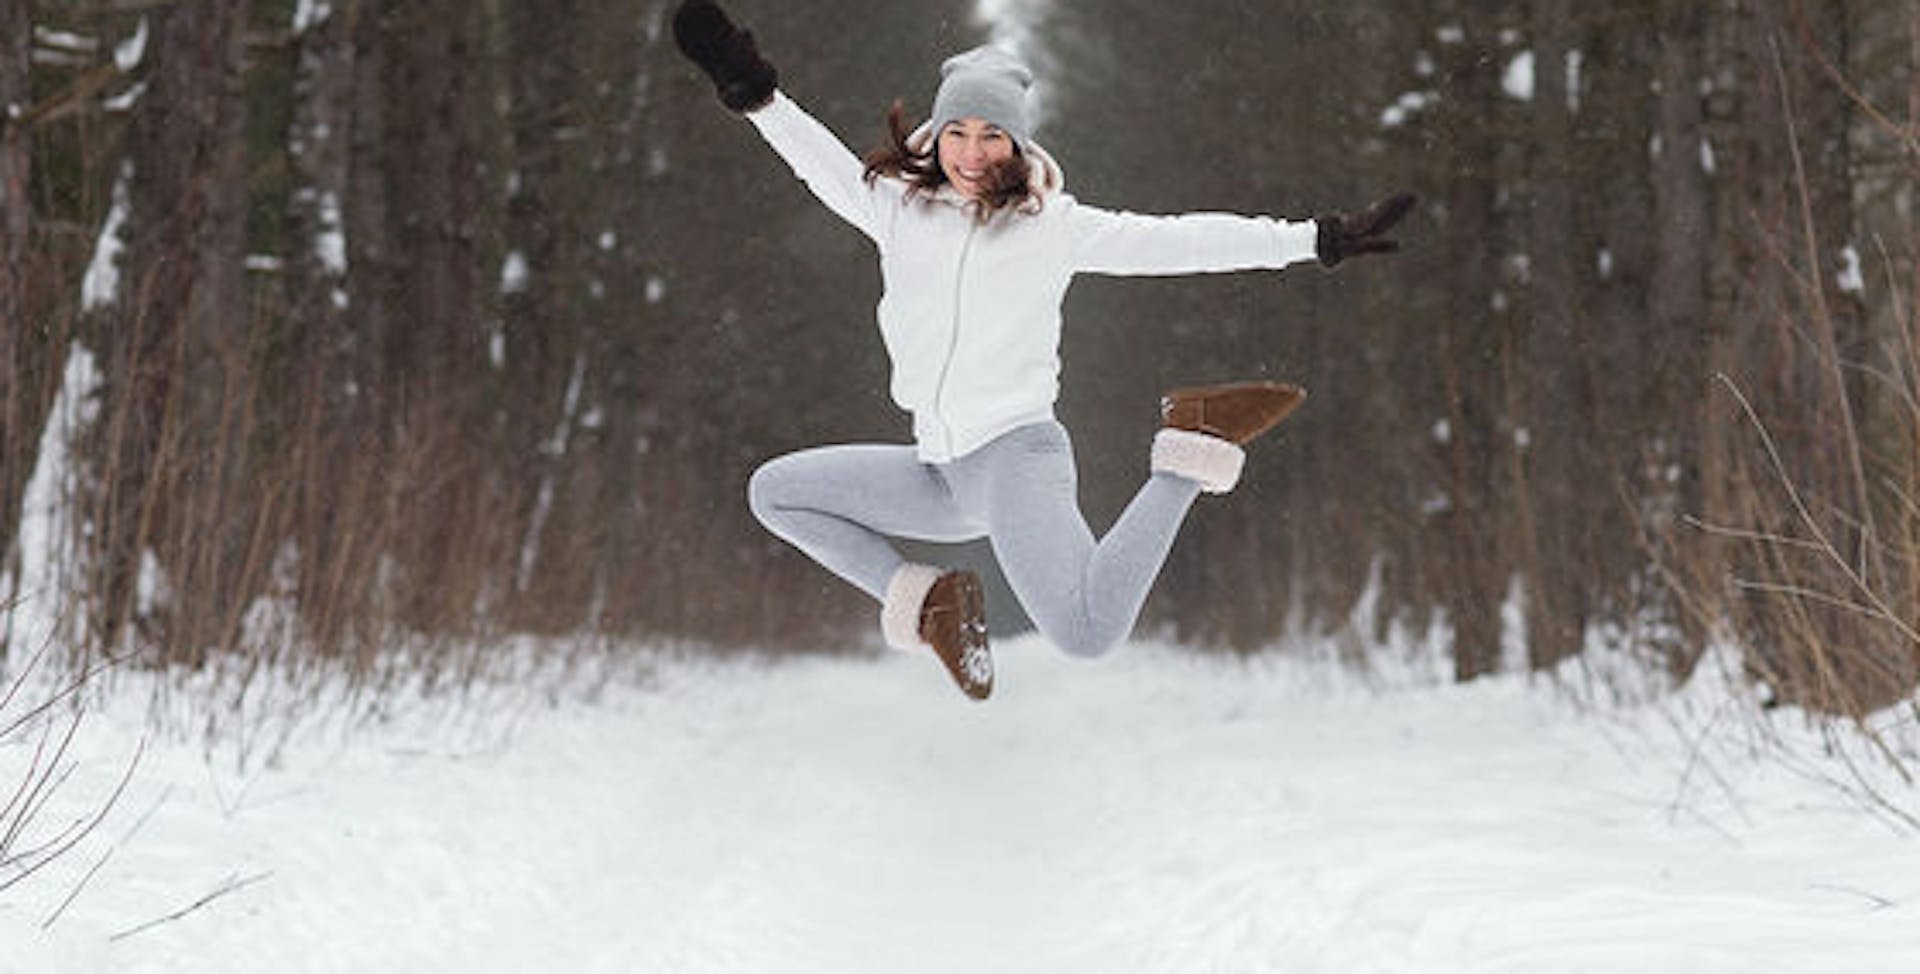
1157 812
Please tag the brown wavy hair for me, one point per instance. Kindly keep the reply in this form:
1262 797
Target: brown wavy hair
1009 182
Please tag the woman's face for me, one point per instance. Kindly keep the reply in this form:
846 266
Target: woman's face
968 150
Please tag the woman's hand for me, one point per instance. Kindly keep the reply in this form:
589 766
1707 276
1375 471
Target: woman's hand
1342 236
744 79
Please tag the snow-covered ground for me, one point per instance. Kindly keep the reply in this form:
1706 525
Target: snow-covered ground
1159 811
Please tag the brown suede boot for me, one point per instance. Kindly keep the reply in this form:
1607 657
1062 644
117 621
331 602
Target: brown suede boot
1236 412
1204 428
953 620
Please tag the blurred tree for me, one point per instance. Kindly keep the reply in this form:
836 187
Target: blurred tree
1552 415
15 222
440 167
176 344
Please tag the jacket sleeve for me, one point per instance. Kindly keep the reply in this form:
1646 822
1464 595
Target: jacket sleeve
822 161
1110 242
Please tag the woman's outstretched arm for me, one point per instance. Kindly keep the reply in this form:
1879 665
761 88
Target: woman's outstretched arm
747 83
1109 242
822 161
1112 242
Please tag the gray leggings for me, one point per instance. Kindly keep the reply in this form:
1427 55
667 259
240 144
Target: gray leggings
840 503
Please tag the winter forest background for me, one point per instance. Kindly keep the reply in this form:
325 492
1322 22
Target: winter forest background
439 320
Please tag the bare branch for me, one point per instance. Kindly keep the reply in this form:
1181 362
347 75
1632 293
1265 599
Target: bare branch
74 893
1807 519
1811 595
74 839
232 884
1748 534
72 99
1888 124
71 689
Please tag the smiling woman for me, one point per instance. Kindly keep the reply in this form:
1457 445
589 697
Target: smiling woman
977 142
980 116
978 241
970 149
914 158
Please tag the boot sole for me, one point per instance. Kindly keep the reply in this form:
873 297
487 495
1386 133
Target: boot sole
1186 408
967 659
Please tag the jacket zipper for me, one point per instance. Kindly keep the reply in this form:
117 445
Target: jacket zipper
953 339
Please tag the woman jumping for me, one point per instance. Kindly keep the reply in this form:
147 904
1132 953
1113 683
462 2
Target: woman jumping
978 241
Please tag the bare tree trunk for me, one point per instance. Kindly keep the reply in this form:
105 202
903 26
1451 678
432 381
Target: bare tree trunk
180 356
554 215
1467 541
441 195
332 472
319 150
1553 501
1678 299
1709 561
16 441
370 251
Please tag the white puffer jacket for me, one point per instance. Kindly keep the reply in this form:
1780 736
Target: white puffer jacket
971 312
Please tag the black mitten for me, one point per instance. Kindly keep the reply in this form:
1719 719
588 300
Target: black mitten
1342 236
727 54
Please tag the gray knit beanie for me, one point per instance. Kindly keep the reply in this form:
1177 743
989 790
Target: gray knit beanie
989 83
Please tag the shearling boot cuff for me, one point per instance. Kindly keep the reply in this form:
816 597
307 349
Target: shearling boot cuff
1213 462
900 610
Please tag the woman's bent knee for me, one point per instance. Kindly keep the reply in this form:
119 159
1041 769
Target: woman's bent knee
766 488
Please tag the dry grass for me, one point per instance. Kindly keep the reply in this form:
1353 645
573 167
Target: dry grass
37 733
1811 562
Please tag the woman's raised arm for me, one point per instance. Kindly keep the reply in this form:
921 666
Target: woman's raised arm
747 83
